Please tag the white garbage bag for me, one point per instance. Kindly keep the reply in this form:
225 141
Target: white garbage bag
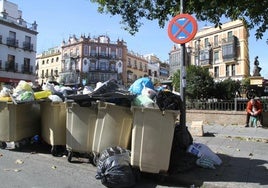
201 150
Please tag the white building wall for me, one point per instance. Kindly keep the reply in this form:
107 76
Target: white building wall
22 30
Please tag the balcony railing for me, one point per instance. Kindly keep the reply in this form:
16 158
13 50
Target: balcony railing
12 42
27 46
11 66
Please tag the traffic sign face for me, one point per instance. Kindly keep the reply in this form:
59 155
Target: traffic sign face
182 28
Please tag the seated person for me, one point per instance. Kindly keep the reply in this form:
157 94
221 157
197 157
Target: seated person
254 108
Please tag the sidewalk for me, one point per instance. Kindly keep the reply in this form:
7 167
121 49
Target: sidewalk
244 152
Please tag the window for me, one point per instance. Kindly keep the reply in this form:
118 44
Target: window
216 72
230 36
233 70
113 54
93 52
26 65
102 66
155 73
12 35
112 66
27 39
51 72
140 66
135 64
92 65
120 52
216 57
10 63
86 50
206 42
11 40
228 51
129 62
227 70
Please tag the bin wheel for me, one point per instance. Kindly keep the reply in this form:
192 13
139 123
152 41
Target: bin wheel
70 155
54 151
93 157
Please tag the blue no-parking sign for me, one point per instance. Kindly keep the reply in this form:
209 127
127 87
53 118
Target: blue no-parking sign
182 28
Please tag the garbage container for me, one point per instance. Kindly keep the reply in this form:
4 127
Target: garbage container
19 121
113 127
80 126
53 125
152 137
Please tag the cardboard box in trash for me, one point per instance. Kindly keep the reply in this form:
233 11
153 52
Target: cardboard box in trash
196 128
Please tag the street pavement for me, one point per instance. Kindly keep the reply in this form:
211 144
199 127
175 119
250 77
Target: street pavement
244 152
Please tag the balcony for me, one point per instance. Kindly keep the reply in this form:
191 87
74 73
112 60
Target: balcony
27 46
26 69
11 66
12 42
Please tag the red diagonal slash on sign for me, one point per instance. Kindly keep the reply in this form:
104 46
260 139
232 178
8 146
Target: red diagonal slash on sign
182 32
182 28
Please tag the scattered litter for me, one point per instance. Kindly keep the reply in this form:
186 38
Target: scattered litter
19 161
15 170
53 167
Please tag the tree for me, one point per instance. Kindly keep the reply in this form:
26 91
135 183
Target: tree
200 84
227 89
133 11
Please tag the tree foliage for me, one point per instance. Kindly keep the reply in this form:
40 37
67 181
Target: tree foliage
253 13
200 84
226 89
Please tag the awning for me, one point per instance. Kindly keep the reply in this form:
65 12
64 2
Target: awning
12 80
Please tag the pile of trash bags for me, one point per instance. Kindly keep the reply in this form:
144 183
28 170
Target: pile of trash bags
113 164
27 92
141 93
114 169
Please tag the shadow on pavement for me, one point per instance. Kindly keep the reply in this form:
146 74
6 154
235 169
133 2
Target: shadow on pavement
233 169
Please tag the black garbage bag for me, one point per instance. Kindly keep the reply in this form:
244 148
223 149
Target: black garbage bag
166 100
180 159
110 91
114 169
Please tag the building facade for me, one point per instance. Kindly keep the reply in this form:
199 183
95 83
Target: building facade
17 45
136 67
89 60
48 65
224 52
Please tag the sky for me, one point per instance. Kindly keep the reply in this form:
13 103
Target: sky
57 20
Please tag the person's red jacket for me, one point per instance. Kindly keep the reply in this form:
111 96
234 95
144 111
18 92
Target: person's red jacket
257 105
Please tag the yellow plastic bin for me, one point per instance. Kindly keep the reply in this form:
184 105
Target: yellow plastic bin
19 121
113 127
53 125
80 126
152 137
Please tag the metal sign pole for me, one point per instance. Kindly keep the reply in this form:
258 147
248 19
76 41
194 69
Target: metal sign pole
182 78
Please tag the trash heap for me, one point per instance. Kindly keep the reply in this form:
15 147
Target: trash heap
123 131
